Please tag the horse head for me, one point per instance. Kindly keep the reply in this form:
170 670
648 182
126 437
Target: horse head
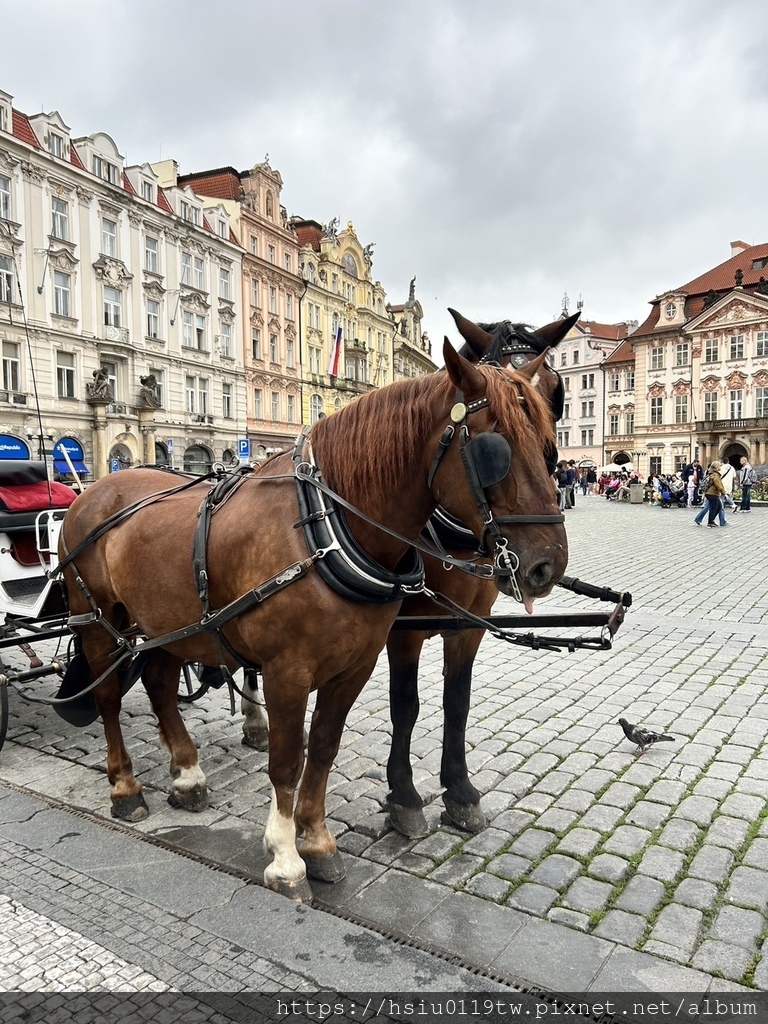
494 472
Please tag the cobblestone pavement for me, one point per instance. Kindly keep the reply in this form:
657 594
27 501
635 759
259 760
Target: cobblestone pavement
659 862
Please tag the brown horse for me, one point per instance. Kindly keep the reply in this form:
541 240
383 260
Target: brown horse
504 343
380 455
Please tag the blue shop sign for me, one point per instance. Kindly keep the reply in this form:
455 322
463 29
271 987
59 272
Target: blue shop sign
76 455
13 447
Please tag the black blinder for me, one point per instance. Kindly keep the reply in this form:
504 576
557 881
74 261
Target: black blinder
492 458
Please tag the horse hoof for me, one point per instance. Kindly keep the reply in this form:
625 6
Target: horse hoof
258 740
329 868
467 817
130 808
194 799
408 821
298 891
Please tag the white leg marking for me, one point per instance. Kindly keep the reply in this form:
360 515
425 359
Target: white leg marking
189 778
280 842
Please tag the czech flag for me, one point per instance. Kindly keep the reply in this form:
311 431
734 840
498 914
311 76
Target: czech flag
333 365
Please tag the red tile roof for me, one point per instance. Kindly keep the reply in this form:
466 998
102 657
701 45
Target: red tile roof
623 353
605 332
720 279
223 183
22 129
128 186
74 158
162 201
308 232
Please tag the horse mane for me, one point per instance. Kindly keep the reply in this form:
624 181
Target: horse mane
387 428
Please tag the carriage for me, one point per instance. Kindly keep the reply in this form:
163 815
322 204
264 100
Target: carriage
298 571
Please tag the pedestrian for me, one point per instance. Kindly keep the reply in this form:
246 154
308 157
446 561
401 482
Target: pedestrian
713 490
573 475
592 480
747 479
728 476
691 488
561 475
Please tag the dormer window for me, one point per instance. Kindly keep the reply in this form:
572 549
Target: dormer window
148 191
4 118
223 230
56 145
105 170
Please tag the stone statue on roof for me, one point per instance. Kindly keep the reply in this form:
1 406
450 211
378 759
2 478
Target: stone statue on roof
762 286
412 290
739 277
331 229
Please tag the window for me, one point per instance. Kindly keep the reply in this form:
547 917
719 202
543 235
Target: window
150 255
273 300
314 359
256 342
310 273
273 348
187 328
190 393
737 347
186 268
613 381
761 402
563 358
711 351
255 292
199 274
736 403
287 262
629 423
657 411
681 353
761 346
202 396
200 333
223 229
254 245
108 237
654 464
563 438
681 408
62 284
291 408
315 408
289 353
60 218
226 401
613 424
271 253
153 319
710 405
223 283
112 307
335 284
587 410
10 366
587 381
567 411
56 145
148 191
289 307
225 340
111 370
657 358
65 374
159 379
587 437
275 405
6 279
576 356
630 381
5 198
258 403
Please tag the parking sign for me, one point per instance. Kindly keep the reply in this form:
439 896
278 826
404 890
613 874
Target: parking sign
243 448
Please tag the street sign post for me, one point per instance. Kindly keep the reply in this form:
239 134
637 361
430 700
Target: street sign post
243 449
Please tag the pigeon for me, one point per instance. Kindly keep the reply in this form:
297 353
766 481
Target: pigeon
643 737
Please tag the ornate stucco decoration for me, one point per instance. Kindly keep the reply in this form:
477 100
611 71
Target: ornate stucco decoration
736 380
154 289
681 387
193 299
257 318
734 311
112 271
760 378
657 391
710 383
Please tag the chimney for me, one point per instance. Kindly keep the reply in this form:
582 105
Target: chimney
737 247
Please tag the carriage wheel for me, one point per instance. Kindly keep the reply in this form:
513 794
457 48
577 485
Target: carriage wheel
191 685
3 714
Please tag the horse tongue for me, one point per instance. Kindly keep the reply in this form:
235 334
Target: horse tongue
528 605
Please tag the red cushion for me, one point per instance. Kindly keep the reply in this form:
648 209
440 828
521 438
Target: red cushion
36 497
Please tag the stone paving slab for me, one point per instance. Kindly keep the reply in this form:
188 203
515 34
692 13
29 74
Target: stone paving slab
585 840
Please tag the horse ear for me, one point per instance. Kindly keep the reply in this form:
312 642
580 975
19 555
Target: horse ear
554 333
463 373
478 340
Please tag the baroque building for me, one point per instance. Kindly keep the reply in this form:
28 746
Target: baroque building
349 334
413 350
701 366
116 290
272 292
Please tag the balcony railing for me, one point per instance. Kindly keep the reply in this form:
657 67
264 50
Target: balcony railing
120 334
13 397
755 422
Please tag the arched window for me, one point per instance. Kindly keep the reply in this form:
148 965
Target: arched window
120 458
161 454
197 460
315 408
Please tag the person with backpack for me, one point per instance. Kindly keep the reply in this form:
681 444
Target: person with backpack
712 491
747 479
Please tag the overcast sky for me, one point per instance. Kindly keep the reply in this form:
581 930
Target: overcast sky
503 152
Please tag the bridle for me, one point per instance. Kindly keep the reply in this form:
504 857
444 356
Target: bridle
487 460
